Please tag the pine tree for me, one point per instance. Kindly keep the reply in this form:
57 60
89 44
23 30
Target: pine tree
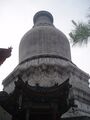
81 32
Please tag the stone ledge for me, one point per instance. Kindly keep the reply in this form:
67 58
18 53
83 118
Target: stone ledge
77 118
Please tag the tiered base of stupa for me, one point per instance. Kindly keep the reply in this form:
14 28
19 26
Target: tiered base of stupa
73 102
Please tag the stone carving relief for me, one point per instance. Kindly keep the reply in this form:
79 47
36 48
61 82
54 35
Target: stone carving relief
45 75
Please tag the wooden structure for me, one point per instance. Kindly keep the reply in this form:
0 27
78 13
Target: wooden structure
27 102
4 53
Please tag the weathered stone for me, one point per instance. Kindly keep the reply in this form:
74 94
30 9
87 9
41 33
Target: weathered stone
44 39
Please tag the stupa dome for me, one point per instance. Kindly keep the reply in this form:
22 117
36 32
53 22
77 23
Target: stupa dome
44 39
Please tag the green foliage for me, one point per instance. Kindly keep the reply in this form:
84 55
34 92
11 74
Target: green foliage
80 34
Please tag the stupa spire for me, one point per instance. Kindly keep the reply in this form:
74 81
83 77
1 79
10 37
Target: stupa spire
43 18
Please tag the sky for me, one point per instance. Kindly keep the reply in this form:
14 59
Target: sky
16 18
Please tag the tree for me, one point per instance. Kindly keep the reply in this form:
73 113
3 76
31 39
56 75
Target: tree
81 32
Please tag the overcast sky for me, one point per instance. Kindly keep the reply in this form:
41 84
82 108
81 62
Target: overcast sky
16 18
